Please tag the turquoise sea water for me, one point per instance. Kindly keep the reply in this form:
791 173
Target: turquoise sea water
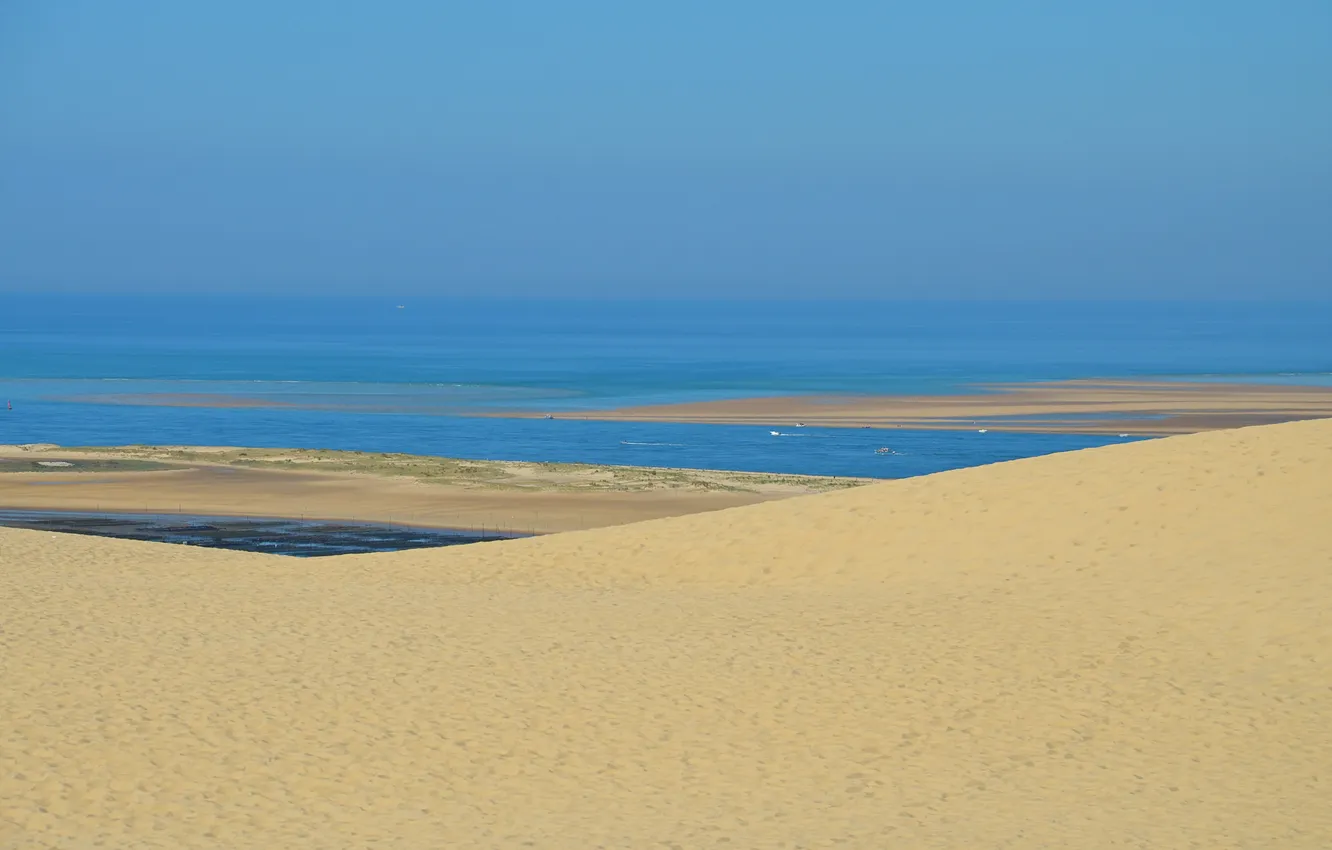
369 374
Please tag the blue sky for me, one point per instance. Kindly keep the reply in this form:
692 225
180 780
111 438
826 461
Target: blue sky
741 149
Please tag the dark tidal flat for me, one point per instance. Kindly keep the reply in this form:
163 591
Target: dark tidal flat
295 537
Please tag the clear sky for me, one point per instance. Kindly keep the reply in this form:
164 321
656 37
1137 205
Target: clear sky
881 149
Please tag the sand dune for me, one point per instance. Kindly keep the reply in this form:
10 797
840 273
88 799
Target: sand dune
1119 647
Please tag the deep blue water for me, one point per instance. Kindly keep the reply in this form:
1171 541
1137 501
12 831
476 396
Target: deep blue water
398 379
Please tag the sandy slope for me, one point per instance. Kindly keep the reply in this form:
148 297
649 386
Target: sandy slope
1120 647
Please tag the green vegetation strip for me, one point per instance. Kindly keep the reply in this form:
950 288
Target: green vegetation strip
80 465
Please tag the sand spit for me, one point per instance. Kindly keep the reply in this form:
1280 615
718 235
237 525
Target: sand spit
363 486
1091 406
1117 647
1141 408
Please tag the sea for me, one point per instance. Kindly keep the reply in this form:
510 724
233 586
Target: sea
410 374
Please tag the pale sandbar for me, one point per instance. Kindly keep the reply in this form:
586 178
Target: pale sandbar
1112 406
1137 408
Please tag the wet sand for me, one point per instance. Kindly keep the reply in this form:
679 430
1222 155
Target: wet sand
292 537
1119 647
1082 407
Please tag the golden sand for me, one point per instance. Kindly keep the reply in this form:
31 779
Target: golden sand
1121 647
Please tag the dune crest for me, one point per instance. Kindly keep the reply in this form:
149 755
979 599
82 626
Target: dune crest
1264 491
1117 647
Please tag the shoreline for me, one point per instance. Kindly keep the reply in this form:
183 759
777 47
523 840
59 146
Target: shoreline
407 490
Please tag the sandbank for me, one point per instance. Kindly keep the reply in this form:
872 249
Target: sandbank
416 490
1137 407
1118 647
1140 408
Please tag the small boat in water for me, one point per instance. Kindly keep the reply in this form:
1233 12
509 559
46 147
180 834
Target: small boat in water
884 451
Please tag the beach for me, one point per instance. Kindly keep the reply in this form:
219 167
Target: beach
389 488
1122 646
1140 408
